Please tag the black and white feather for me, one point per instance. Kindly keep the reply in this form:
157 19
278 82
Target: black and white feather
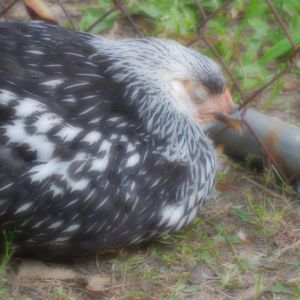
95 150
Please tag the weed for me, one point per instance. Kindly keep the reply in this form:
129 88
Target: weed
258 286
8 250
4 293
227 280
59 293
249 48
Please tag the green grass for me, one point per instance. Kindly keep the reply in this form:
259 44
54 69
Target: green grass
60 293
5 259
8 251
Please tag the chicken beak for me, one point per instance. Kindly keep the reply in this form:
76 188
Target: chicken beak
228 114
221 108
230 121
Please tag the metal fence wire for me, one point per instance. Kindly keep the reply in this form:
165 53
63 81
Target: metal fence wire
247 97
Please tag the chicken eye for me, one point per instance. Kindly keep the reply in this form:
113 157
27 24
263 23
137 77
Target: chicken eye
202 94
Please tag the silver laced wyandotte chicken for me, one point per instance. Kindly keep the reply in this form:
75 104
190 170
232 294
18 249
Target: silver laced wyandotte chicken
102 143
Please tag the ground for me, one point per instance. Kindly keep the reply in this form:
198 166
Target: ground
244 245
